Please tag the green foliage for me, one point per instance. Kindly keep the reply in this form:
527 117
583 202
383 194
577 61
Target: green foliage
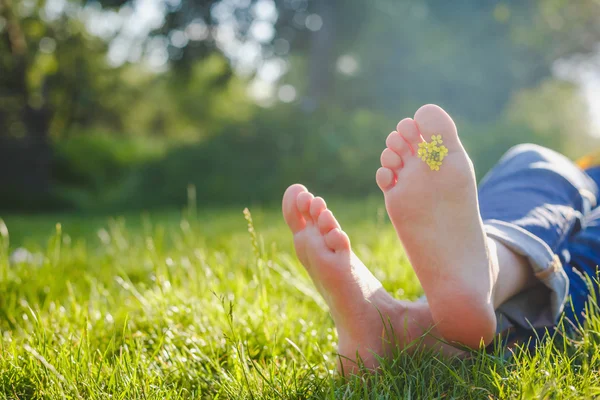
557 115
254 162
90 169
490 64
54 66
189 108
167 306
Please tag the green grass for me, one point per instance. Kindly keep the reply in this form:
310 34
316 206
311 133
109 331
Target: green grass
193 305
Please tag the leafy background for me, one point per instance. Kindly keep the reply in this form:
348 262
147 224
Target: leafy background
115 104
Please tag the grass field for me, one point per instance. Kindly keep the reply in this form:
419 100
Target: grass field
194 305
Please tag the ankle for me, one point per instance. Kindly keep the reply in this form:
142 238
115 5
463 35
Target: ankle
465 319
512 272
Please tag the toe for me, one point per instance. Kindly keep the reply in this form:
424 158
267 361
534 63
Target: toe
396 142
407 128
317 206
385 178
303 202
390 159
433 120
327 222
337 240
291 214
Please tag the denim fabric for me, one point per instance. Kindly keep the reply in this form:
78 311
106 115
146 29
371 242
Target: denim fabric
539 204
583 253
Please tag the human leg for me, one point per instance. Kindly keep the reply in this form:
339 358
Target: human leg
471 261
534 202
369 321
582 256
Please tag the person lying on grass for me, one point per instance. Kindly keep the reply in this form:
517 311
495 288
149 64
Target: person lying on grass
509 257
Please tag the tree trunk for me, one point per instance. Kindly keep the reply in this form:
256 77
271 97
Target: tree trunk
25 152
322 57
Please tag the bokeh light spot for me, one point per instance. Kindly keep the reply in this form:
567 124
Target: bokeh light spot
266 10
197 30
347 65
314 22
272 70
47 45
179 39
262 31
287 93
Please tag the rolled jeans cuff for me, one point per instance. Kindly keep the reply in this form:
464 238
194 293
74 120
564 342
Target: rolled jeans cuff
539 306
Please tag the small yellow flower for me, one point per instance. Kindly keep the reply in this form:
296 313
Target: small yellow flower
433 153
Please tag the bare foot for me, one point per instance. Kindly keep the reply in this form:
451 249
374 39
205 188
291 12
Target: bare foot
358 302
436 215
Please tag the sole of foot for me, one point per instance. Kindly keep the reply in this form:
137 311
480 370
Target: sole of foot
368 320
436 216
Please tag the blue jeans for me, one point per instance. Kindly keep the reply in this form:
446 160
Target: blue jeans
542 206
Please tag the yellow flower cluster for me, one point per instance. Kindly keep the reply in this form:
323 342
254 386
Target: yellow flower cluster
433 152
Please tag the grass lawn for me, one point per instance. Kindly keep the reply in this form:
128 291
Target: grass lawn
193 305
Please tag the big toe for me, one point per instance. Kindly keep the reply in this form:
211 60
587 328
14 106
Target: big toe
433 120
292 215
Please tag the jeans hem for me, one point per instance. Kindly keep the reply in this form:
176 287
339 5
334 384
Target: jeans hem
546 266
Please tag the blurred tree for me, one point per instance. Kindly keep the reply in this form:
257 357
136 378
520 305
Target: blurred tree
352 66
556 113
470 57
53 75
188 108
23 121
385 54
250 31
